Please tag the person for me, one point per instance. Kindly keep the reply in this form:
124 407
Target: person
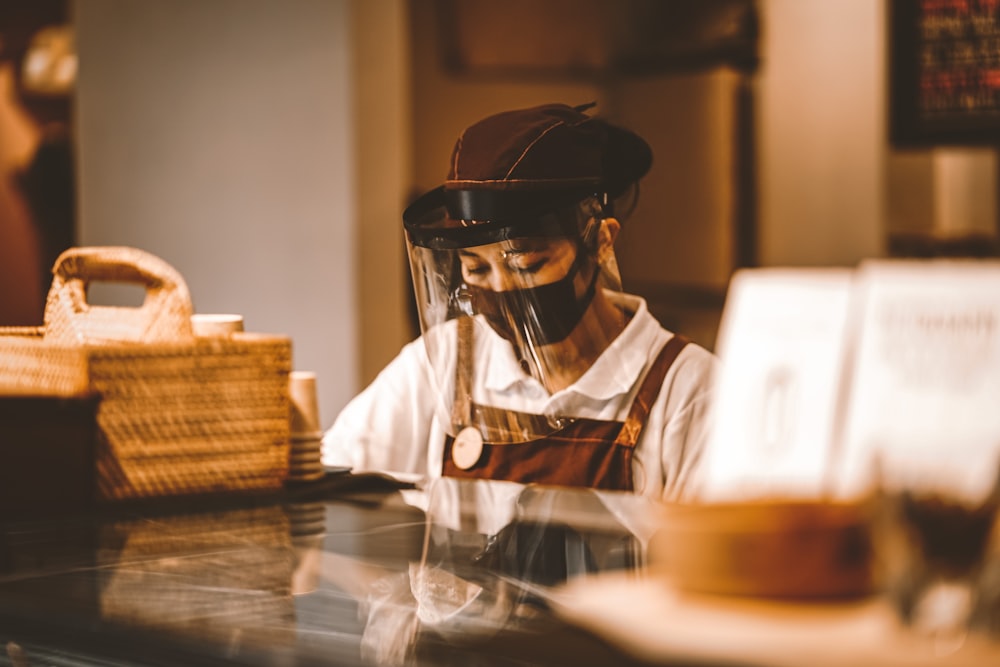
533 365
37 202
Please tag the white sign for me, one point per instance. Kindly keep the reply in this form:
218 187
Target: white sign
778 394
924 410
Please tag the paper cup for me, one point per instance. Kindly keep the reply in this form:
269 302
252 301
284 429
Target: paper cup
305 407
216 324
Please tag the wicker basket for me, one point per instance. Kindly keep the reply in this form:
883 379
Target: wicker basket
178 414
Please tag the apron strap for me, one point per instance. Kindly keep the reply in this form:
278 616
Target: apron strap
649 390
464 412
461 408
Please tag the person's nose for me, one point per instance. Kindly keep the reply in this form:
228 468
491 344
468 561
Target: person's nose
502 279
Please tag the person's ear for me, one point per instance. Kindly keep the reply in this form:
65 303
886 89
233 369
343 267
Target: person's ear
608 234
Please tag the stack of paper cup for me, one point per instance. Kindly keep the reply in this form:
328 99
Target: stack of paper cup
304 462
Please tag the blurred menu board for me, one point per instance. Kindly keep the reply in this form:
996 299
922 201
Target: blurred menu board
925 379
777 395
944 72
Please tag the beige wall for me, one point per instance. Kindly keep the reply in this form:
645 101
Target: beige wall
382 134
832 189
681 233
822 139
444 104
219 135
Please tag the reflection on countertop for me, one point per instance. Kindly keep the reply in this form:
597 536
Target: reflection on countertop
355 569
368 569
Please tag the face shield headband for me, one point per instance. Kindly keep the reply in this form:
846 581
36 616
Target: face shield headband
449 219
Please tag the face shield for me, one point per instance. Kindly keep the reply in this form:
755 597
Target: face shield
510 306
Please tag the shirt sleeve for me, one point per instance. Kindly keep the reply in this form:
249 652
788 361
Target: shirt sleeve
387 426
688 426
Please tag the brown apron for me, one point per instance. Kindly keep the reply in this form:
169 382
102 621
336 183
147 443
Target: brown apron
586 453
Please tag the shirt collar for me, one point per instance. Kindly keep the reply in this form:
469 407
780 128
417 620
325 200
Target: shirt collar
612 374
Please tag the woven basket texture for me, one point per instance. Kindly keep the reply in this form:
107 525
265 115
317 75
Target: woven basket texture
178 414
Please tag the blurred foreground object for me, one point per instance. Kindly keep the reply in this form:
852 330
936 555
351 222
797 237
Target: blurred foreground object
50 64
774 549
869 395
776 409
766 525
923 430
940 563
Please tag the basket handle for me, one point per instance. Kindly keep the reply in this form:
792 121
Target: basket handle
164 316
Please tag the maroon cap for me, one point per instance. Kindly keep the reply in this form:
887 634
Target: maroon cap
516 165
548 147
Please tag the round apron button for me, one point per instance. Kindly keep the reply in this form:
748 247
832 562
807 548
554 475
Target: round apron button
468 448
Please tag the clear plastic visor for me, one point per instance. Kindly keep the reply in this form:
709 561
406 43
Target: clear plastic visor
511 322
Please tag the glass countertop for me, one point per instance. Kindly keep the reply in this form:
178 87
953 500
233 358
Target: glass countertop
355 569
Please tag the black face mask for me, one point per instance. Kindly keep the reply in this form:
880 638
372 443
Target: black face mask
544 314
